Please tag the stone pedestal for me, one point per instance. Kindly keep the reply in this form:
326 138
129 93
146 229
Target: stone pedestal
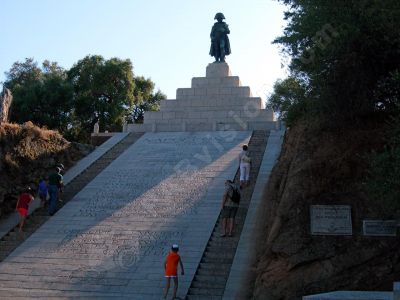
218 70
215 102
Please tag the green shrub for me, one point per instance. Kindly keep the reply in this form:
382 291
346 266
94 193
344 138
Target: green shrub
383 181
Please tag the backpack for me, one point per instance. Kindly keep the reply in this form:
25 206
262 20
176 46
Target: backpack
235 195
246 159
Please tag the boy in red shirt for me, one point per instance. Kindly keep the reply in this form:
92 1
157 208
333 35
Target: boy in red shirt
171 269
23 206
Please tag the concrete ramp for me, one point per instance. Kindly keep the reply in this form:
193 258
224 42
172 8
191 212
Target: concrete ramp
112 238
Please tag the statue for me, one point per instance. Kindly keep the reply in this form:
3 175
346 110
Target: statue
219 39
5 103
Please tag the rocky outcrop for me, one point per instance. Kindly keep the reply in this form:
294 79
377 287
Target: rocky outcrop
5 103
317 167
27 154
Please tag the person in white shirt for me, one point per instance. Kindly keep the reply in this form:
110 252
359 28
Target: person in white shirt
244 166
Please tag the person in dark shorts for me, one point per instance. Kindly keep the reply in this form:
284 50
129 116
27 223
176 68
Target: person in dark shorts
55 185
229 209
22 206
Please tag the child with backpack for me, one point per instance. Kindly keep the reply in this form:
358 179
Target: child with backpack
229 206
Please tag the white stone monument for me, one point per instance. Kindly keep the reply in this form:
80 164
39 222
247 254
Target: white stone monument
215 102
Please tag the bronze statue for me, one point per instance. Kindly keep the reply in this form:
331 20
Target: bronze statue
220 46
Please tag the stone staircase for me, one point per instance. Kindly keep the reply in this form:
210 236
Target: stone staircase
216 102
213 271
12 240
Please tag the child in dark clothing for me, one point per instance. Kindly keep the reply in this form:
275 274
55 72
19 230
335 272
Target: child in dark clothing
43 190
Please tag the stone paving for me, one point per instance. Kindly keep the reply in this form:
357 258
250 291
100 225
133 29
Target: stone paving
87 161
13 219
112 238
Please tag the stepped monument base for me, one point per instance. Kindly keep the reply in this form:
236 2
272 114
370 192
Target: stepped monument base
213 103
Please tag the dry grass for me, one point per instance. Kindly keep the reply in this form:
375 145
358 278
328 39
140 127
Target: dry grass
27 154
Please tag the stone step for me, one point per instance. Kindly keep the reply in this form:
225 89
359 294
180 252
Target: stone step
213 271
227 252
199 297
228 81
8 249
222 244
8 246
208 266
216 260
219 255
238 91
207 284
206 291
11 237
212 278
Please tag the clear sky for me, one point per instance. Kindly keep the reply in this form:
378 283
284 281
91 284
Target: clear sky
167 41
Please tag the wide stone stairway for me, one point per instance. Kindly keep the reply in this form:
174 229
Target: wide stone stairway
121 216
111 239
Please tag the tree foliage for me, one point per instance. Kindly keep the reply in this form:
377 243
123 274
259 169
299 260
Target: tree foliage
41 95
342 50
103 91
94 89
289 99
344 69
145 99
383 184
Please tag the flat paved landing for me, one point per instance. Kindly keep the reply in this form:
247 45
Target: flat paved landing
112 238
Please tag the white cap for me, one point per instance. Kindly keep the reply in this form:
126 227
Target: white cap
175 246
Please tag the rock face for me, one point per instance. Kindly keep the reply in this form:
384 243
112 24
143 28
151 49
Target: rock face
5 103
320 168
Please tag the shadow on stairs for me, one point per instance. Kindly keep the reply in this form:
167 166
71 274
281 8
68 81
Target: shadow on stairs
213 271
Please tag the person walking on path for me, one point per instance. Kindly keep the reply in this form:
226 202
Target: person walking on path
55 185
61 187
229 208
171 270
22 206
244 166
43 191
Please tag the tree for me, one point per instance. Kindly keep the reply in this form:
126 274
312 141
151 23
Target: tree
94 89
103 91
145 99
342 50
289 99
41 95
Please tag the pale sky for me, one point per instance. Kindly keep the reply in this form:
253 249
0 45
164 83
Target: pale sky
167 41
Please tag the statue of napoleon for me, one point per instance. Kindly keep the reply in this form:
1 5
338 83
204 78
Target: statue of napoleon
219 39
